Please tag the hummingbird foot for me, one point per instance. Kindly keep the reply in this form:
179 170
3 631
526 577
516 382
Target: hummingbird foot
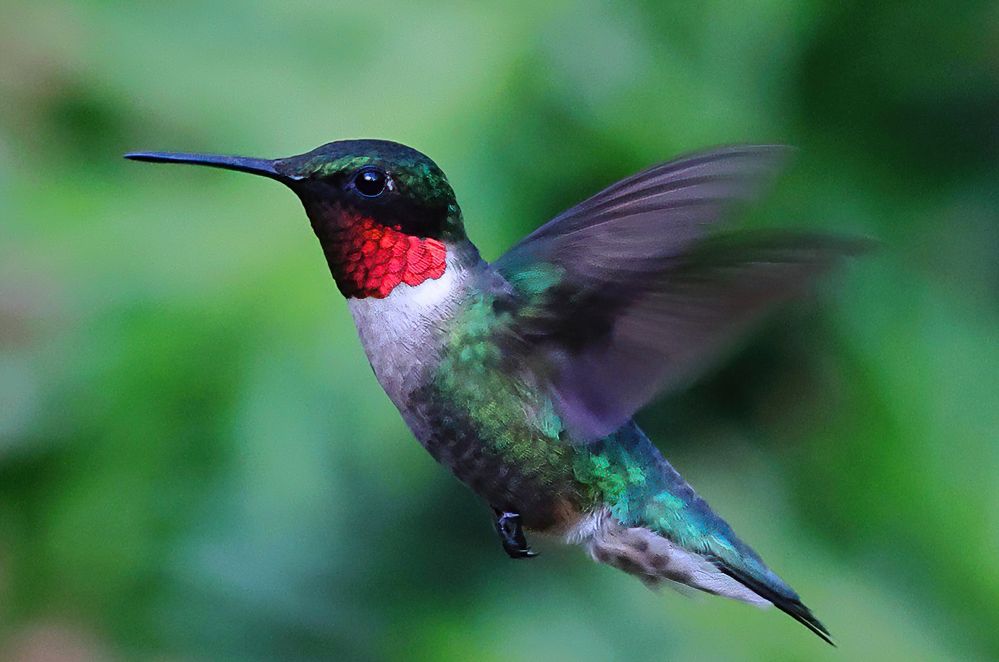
511 535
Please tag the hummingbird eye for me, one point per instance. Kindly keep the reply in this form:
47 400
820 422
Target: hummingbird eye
370 182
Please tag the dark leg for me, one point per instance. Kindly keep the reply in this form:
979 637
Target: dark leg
512 535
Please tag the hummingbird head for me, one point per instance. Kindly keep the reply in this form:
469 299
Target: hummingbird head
384 213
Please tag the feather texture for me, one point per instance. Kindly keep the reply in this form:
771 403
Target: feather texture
625 294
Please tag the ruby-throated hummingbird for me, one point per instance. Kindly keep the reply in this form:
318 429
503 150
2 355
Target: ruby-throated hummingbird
522 376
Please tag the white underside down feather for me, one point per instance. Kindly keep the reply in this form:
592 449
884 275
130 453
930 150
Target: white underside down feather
652 558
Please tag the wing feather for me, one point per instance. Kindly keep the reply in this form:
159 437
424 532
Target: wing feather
626 294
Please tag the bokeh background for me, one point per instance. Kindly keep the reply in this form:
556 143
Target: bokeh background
197 464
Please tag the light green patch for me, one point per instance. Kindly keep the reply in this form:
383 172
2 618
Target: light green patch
537 279
636 475
721 542
669 500
323 167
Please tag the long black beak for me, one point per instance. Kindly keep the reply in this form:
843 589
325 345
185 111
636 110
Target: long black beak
263 167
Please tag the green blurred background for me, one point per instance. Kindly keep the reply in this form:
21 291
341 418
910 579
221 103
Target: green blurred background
197 464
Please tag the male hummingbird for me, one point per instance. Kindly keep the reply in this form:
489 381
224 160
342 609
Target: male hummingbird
522 376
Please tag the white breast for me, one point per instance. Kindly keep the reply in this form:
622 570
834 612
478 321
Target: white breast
406 325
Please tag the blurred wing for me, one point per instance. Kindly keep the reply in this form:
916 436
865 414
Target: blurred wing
653 214
622 295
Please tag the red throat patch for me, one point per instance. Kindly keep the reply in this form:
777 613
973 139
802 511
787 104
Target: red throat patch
368 259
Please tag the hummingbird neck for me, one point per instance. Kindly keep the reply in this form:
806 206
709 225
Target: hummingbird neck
369 260
403 331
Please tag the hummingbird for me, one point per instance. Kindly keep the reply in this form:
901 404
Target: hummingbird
522 376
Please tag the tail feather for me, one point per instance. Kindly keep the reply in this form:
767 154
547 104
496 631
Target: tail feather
654 559
793 607
654 525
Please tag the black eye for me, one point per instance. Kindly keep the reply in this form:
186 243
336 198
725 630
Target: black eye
370 182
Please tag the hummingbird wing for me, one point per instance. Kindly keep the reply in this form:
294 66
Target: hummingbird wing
625 295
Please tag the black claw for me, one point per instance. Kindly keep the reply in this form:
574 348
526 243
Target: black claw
512 535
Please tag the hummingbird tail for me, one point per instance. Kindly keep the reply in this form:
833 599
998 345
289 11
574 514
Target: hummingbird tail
656 560
653 525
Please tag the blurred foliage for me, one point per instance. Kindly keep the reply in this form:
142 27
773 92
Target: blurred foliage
196 463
